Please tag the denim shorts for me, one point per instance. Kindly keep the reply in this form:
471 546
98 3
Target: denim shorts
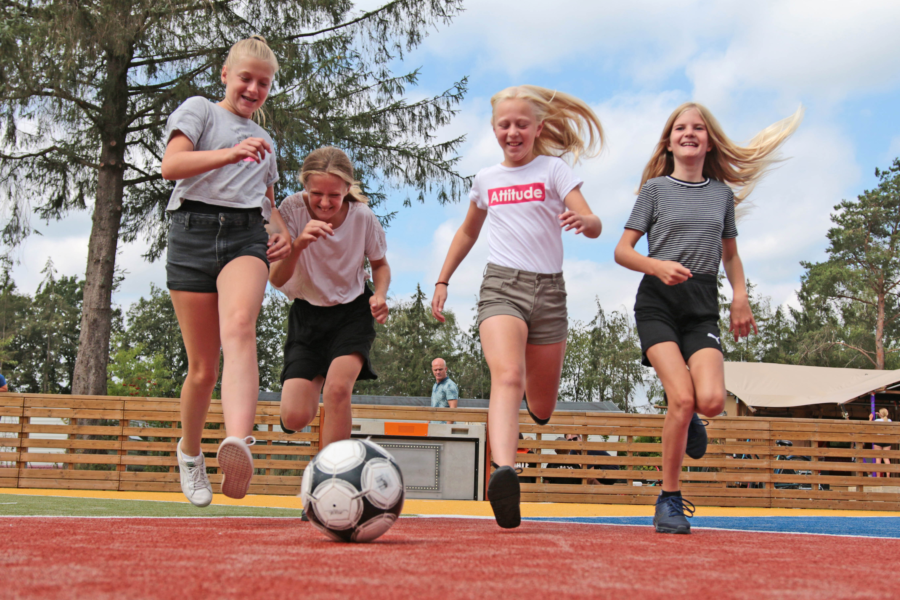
200 245
539 299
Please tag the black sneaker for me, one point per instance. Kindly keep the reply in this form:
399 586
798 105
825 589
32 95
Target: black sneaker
503 494
534 418
285 429
670 518
697 439
303 516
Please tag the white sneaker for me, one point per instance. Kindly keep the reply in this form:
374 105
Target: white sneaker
194 482
237 465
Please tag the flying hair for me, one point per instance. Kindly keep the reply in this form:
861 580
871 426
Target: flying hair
741 167
256 47
567 121
329 160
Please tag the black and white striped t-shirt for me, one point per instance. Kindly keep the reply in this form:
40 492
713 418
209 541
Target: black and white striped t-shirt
685 222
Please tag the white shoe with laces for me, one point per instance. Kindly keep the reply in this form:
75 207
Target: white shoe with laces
237 465
194 482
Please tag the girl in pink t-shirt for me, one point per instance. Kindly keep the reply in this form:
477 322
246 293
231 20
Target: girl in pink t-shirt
530 197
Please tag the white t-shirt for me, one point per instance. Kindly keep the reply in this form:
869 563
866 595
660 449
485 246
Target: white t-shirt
524 204
330 270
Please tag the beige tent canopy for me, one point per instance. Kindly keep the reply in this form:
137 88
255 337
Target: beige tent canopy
784 386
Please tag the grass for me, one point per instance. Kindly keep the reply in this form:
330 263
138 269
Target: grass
15 505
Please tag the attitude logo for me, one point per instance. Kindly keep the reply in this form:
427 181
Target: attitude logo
515 194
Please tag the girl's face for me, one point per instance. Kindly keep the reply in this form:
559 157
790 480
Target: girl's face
325 194
689 140
516 129
247 85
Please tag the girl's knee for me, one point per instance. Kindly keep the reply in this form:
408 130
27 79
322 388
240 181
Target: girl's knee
711 404
681 403
509 376
338 391
296 417
238 325
203 375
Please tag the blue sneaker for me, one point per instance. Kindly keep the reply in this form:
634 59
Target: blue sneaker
670 517
697 439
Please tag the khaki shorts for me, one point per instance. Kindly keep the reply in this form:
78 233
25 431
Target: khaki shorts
539 299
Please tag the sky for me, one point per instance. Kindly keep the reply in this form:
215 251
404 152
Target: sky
751 63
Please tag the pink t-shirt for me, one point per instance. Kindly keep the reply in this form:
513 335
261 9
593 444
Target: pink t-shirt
330 270
523 205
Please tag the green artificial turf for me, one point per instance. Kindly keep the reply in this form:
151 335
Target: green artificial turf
21 505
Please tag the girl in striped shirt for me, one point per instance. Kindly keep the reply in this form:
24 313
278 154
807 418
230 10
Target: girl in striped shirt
686 207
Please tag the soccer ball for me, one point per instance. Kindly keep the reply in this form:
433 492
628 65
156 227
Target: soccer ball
352 491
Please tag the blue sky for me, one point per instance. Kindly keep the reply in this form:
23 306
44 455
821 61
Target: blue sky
751 63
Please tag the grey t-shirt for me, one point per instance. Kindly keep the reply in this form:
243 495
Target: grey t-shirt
211 127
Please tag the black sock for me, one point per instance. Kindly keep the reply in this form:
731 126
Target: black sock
666 494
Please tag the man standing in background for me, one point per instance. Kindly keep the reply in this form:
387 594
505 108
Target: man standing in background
444 393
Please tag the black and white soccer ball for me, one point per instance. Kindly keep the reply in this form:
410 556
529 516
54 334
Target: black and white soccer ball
352 491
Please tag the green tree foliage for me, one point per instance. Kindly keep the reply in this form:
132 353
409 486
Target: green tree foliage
406 345
858 286
86 87
151 326
135 372
603 361
271 334
46 343
13 308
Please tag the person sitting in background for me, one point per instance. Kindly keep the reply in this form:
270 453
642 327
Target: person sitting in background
883 417
574 437
524 465
3 385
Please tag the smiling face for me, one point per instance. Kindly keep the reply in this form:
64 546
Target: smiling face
325 194
247 84
689 140
516 128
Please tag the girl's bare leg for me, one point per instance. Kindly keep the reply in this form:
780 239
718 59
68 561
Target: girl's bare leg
342 375
242 285
543 368
504 340
300 401
198 318
676 380
708 374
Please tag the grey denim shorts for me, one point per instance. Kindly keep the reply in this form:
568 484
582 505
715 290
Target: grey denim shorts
200 245
539 299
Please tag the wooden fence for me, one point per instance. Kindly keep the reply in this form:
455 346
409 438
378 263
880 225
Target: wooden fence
112 443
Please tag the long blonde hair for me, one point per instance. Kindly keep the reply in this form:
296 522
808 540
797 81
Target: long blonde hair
256 47
741 167
884 414
329 160
567 121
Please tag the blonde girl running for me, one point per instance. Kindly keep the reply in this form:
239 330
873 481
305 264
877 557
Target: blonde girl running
686 207
531 197
218 258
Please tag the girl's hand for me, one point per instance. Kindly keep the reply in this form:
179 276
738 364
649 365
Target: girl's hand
313 231
742 322
671 272
379 308
437 302
250 149
279 247
571 220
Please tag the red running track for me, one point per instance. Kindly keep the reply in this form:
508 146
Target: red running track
245 558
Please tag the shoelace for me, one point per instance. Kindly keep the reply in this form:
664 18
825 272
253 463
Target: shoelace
677 505
197 475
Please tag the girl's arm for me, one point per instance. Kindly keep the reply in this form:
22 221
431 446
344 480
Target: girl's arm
669 271
742 321
462 243
381 277
181 161
579 216
280 272
280 239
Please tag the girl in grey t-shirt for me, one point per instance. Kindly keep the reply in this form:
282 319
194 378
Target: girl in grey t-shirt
218 258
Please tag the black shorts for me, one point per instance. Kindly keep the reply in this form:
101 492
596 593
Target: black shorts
687 314
319 334
200 245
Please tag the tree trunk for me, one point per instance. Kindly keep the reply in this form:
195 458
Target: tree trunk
93 342
879 331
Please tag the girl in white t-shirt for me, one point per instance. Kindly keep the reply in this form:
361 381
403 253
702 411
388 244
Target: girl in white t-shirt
530 197
331 325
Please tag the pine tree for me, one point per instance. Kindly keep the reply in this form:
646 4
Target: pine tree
86 87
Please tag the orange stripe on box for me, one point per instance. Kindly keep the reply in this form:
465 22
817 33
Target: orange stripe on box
414 429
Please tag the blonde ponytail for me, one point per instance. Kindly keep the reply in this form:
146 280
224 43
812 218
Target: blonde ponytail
256 47
741 167
567 121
